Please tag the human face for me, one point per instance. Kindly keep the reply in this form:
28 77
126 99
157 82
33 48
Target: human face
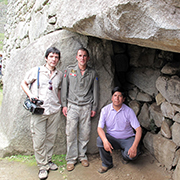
82 58
52 60
117 100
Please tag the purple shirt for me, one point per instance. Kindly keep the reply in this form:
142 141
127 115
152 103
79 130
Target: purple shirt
119 124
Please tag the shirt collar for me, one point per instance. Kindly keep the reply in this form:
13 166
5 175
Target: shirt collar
77 67
121 109
46 69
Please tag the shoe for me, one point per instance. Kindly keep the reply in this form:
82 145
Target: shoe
104 169
43 174
85 163
70 167
124 161
52 166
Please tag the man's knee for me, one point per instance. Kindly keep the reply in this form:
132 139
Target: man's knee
126 156
99 142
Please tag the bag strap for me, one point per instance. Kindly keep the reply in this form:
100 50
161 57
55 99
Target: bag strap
38 82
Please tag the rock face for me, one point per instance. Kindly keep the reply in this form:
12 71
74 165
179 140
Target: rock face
133 43
16 136
163 149
153 23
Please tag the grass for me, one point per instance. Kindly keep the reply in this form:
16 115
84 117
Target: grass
30 160
4 2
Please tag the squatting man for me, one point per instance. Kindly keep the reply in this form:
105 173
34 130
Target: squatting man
120 122
44 127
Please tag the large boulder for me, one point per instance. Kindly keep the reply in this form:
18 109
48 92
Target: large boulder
15 136
147 23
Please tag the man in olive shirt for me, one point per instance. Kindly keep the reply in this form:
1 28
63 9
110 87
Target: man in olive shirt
79 98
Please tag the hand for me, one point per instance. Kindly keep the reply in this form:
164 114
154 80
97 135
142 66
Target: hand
32 97
93 113
107 146
132 152
64 110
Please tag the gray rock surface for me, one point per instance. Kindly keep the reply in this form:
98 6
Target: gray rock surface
14 122
175 133
169 88
156 114
162 149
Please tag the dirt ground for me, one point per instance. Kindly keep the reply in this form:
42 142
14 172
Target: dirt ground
144 168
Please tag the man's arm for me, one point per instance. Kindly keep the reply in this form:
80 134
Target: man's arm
59 95
24 86
106 143
95 96
133 150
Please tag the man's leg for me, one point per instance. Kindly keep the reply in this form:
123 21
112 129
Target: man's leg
84 132
105 155
125 146
51 132
71 132
38 129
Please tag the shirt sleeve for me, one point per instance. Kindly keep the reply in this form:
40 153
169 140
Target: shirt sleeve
64 89
61 77
31 75
102 118
133 119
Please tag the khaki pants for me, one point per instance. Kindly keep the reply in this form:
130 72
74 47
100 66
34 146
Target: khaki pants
78 129
44 131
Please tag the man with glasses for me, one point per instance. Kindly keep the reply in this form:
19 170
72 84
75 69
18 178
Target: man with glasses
44 127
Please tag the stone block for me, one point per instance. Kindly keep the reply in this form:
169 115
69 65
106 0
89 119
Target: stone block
161 148
175 133
156 114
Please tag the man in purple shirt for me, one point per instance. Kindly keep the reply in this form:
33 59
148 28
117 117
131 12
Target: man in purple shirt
120 122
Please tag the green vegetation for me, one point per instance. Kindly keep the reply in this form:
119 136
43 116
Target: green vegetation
1 41
4 2
30 160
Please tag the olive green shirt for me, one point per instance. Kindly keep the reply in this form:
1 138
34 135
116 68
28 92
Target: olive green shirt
80 89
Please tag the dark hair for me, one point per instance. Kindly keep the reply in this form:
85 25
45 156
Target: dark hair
53 50
119 89
84 49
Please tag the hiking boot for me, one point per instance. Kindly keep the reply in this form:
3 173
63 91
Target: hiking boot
52 166
104 169
70 167
124 161
43 174
85 163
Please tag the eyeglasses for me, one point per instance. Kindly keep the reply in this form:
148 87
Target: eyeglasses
50 85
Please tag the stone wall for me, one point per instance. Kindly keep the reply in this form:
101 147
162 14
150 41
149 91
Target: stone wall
151 78
153 94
